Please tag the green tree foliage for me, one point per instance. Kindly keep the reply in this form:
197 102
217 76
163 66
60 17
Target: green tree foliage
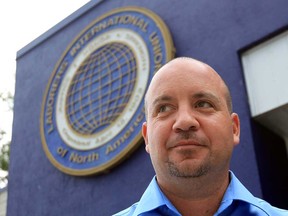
5 145
8 98
4 153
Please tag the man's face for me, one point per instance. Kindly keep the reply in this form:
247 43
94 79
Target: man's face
189 130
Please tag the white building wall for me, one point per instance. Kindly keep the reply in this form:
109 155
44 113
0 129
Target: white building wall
266 74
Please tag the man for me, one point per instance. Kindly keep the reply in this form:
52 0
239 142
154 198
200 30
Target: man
190 134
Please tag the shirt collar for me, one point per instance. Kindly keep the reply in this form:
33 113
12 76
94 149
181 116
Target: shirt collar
236 191
153 198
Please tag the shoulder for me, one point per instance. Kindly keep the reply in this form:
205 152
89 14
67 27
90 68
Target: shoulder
246 203
266 207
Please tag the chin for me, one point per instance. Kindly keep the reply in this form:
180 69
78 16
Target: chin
188 170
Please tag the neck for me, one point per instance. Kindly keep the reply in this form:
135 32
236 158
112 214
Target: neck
196 196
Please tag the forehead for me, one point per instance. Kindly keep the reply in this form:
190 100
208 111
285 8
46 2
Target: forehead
186 76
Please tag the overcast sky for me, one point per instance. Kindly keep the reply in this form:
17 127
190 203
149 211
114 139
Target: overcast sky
21 22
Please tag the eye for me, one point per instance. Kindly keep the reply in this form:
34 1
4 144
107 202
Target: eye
204 104
164 108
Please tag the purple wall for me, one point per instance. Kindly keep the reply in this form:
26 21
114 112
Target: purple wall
212 31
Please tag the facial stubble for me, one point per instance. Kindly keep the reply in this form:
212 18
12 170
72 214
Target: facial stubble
193 171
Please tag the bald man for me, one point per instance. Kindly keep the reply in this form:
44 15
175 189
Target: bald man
190 133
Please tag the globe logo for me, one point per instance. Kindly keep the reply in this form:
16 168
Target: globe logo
101 88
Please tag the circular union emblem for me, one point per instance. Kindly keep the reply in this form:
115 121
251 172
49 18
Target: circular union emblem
93 108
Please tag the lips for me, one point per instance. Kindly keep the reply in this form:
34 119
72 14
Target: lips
185 143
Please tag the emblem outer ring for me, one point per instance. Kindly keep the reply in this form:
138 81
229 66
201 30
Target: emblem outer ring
58 155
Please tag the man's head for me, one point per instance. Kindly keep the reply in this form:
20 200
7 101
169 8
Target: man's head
190 129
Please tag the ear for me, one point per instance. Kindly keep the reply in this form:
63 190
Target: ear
144 134
236 128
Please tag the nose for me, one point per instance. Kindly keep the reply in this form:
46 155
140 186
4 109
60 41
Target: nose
185 121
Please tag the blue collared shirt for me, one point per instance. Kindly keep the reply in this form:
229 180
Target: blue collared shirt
237 201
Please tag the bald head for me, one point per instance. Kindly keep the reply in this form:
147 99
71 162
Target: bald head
175 68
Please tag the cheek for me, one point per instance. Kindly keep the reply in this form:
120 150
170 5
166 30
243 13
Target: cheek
158 134
220 133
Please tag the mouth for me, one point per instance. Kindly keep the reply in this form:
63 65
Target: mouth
187 144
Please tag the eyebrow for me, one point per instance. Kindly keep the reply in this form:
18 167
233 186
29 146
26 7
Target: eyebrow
162 98
208 95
